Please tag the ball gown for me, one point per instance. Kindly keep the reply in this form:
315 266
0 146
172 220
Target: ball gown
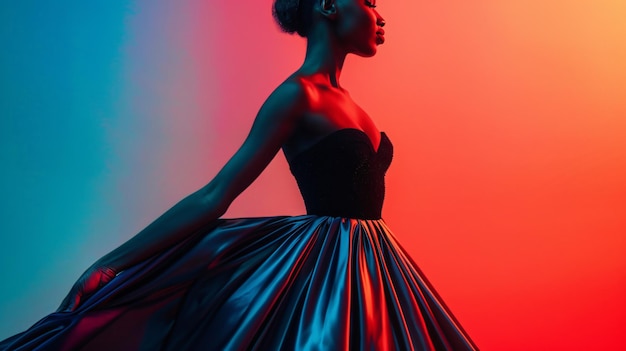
333 279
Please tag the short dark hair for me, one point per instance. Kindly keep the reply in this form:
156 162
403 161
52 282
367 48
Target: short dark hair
293 16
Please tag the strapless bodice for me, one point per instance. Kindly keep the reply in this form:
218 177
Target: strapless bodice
342 175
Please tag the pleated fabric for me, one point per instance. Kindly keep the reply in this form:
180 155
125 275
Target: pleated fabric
270 283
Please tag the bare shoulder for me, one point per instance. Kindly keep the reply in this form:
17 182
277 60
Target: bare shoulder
287 102
273 126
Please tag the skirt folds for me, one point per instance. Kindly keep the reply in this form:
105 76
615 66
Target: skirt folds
267 283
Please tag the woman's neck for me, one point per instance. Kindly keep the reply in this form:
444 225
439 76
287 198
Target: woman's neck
323 59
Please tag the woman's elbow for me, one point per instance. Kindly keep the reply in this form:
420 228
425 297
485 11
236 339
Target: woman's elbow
214 201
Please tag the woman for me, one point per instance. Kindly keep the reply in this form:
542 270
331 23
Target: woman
334 279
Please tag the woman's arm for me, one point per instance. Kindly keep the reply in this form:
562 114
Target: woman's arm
273 125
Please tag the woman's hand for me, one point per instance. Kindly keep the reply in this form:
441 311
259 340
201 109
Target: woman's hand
89 282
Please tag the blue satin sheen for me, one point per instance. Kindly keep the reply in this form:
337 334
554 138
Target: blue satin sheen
321 281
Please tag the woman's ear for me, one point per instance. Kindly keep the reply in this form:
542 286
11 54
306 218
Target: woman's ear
328 8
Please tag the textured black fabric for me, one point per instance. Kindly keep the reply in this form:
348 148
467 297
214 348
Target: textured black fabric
343 175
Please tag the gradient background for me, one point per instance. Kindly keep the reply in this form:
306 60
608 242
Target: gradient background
508 118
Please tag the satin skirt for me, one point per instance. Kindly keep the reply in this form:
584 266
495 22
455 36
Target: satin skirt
269 283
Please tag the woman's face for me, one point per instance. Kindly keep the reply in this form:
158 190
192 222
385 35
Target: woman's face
359 26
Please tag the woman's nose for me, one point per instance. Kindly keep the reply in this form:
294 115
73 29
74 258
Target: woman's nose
380 20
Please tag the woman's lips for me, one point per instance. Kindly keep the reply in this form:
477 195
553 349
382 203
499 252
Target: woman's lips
380 36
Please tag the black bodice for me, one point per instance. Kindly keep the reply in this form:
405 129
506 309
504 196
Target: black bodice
343 175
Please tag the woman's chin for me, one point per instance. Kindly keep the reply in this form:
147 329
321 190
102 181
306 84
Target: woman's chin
369 52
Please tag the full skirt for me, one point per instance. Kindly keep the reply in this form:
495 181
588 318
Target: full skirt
269 283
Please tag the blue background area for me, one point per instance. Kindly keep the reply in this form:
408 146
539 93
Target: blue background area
60 82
